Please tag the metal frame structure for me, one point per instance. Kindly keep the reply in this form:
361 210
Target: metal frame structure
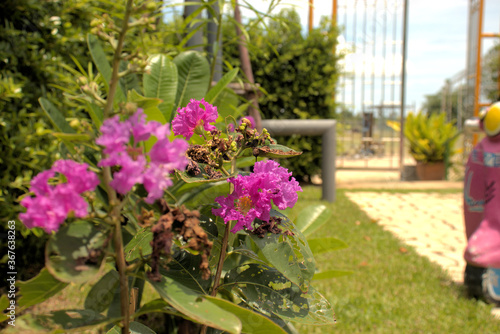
374 29
312 127
470 83
475 43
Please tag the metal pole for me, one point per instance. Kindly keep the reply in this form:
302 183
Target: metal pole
311 5
364 63
374 53
196 41
334 11
214 47
312 127
477 88
393 72
403 87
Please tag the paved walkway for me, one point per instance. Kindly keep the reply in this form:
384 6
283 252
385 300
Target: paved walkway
429 221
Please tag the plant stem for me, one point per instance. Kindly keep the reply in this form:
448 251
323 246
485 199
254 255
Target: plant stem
113 83
113 200
222 257
122 268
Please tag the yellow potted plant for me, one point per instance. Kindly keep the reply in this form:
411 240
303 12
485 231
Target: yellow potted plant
432 140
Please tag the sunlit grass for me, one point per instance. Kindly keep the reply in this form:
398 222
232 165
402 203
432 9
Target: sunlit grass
393 289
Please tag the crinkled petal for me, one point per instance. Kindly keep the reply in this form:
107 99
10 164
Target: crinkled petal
77 175
43 212
172 154
40 185
115 135
191 116
156 181
131 173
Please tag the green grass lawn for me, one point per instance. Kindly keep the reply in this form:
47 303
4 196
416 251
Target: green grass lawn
393 289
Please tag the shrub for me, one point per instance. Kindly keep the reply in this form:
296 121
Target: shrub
298 75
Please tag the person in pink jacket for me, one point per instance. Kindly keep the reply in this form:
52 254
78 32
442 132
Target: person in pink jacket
482 211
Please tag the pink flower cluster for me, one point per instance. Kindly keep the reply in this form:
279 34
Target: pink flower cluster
53 203
164 156
191 117
253 194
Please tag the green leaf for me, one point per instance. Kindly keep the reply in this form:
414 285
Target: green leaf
185 269
68 252
156 305
38 289
55 116
266 290
101 295
161 82
252 322
74 320
203 193
312 218
145 103
130 81
331 274
4 303
193 78
72 137
227 104
272 151
196 306
200 178
95 113
323 245
288 252
140 243
102 64
135 328
214 92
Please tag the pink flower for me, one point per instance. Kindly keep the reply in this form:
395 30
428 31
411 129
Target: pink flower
115 135
76 175
164 156
191 117
53 203
253 194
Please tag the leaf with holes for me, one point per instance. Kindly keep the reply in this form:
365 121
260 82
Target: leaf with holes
75 253
266 290
253 322
140 244
288 252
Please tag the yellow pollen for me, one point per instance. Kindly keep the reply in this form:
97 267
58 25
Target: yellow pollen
244 204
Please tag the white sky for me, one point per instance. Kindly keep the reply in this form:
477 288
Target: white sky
437 38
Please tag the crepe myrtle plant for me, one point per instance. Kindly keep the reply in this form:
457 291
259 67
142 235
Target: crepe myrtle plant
158 188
